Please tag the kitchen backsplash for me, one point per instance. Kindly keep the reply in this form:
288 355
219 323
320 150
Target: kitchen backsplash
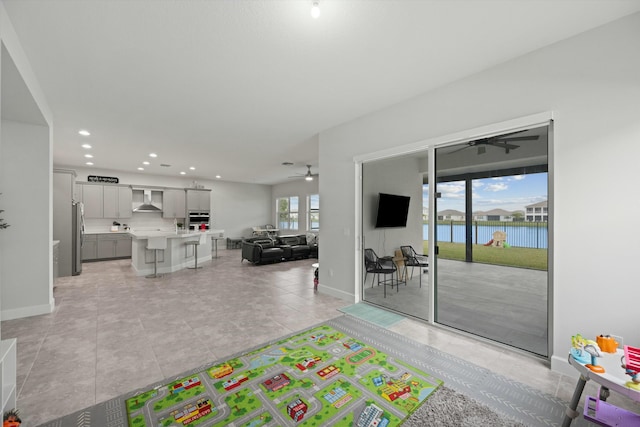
139 221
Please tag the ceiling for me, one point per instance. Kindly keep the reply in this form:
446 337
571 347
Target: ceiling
237 87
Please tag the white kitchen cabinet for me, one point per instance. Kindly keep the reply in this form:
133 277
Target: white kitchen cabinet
198 200
173 203
93 199
117 201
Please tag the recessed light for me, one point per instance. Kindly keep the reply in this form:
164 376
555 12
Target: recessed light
84 132
218 176
192 168
183 173
89 163
87 146
140 169
89 156
146 163
153 155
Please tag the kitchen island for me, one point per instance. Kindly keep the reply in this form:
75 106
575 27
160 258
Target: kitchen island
176 256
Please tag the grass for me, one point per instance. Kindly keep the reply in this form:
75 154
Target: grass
514 257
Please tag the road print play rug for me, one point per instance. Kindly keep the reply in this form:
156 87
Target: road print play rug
318 377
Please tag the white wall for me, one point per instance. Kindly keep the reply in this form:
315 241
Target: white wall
26 264
591 82
235 207
301 189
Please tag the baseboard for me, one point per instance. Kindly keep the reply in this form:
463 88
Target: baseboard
336 293
560 364
34 310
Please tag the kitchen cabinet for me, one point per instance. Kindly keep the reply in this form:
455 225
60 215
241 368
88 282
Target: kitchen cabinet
117 201
106 246
93 199
106 201
198 200
90 247
173 204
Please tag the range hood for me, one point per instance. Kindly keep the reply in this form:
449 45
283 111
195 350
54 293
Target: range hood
148 205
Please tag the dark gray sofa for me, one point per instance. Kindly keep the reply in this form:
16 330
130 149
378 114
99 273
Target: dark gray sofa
262 250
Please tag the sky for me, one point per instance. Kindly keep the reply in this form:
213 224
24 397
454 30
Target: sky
510 193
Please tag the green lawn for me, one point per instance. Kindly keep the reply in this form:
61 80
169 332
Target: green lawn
516 257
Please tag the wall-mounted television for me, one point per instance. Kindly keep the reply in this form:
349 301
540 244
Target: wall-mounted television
392 211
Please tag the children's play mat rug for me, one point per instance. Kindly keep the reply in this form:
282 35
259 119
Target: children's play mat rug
343 372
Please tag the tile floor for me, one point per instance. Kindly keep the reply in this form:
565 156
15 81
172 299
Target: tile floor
112 332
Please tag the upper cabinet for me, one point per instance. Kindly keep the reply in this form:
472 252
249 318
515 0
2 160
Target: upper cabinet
174 203
106 201
198 200
117 201
92 197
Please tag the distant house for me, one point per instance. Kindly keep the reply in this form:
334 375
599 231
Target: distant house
537 212
493 215
450 214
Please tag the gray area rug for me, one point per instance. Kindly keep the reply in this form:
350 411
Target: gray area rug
472 395
446 407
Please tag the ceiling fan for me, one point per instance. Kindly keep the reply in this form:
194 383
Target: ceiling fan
307 176
501 141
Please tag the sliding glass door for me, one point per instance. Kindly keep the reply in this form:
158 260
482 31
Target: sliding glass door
486 237
492 239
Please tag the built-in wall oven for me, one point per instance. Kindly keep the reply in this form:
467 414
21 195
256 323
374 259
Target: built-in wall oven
198 219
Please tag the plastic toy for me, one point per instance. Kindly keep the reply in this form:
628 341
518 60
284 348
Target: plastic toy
11 419
586 352
607 343
631 365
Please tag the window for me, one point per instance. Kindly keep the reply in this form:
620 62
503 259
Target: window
287 213
313 204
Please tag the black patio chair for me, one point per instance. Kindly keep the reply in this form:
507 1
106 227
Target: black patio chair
413 259
379 266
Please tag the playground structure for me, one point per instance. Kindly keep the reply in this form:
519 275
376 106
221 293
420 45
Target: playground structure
499 240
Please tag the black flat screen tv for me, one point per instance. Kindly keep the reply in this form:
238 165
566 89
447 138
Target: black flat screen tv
392 211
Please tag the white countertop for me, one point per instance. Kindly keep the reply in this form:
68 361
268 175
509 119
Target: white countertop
105 232
142 234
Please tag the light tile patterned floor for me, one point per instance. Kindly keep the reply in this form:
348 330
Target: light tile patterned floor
112 332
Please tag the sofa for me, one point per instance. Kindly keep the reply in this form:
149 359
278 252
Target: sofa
262 250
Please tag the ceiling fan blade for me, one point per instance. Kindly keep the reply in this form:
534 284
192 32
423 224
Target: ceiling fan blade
468 145
504 145
519 138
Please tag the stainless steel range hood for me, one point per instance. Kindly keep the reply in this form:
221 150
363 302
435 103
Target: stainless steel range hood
148 204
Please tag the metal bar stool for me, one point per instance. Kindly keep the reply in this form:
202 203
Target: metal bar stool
156 244
195 244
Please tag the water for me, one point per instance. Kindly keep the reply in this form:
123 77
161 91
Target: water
534 236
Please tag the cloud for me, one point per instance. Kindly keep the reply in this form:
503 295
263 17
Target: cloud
497 187
518 177
452 190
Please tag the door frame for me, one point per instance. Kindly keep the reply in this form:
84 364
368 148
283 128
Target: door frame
429 146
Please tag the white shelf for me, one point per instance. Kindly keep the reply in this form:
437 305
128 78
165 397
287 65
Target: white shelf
8 374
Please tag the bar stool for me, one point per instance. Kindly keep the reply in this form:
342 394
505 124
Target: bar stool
156 244
195 244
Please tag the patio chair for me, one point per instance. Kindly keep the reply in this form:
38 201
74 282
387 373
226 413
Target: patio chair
379 266
413 259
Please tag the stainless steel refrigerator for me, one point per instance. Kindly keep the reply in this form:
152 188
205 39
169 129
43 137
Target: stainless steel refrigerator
77 237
